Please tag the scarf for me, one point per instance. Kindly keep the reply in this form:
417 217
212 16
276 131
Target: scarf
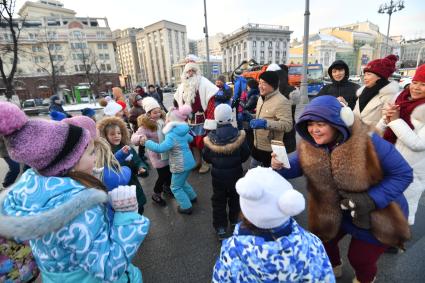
407 105
369 93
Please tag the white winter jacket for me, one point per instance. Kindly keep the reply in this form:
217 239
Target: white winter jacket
372 112
411 144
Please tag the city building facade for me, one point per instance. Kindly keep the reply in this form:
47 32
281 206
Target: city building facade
263 43
367 41
131 70
58 50
213 46
159 47
412 53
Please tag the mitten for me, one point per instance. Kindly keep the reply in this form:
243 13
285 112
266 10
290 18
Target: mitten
258 124
124 198
360 205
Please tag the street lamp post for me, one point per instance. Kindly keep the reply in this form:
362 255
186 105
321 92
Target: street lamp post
303 86
208 75
389 9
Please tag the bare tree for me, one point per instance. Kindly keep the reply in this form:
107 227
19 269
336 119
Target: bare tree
10 47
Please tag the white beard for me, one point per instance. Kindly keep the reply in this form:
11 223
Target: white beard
190 86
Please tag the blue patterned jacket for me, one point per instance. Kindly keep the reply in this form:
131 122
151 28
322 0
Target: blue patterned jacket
70 235
176 143
297 256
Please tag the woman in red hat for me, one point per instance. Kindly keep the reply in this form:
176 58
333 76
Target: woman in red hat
377 90
404 121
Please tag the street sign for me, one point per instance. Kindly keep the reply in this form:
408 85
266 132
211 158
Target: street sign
215 70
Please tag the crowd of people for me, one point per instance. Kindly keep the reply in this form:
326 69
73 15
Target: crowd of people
76 214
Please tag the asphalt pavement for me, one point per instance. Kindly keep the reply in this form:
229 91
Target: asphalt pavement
183 248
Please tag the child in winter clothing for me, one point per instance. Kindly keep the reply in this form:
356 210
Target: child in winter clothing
150 126
405 128
59 206
355 183
248 107
107 167
176 143
114 130
226 149
269 245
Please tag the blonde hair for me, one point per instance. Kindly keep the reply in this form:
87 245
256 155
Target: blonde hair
105 157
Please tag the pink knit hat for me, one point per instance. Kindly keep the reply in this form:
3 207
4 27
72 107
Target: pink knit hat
83 122
179 114
52 148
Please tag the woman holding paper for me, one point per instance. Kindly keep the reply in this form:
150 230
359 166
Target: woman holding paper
355 185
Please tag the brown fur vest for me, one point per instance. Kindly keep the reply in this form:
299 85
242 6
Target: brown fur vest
352 167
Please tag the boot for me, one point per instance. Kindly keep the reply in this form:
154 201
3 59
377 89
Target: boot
337 270
187 211
204 168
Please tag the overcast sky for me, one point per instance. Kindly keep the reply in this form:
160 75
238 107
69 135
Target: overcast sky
228 15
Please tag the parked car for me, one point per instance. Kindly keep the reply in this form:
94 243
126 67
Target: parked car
35 106
167 89
355 79
405 82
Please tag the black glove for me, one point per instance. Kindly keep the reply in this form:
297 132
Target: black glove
360 204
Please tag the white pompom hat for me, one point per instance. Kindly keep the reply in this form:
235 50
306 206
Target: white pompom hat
150 103
267 200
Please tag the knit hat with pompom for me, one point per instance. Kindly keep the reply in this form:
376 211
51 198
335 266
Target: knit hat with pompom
180 114
382 67
51 148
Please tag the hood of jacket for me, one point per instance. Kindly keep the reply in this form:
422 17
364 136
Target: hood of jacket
226 148
37 205
178 128
223 134
339 64
324 108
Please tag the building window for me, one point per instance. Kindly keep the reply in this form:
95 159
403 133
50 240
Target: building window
38 59
62 69
100 34
103 67
270 44
55 46
52 35
262 43
76 68
262 54
36 48
270 54
254 54
277 44
108 67
30 35
244 45
254 43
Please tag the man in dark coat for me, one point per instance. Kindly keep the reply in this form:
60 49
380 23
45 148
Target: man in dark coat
56 105
340 88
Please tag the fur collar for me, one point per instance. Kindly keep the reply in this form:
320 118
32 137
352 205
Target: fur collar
145 122
228 148
171 125
35 226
